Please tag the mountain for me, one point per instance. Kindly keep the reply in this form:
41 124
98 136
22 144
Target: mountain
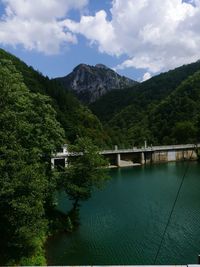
162 110
176 119
91 82
75 119
132 116
139 97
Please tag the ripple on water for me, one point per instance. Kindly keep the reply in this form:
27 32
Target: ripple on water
123 223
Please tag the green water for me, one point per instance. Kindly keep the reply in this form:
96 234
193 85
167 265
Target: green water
123 223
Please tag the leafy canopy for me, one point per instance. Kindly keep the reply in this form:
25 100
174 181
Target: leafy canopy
28 133
84 172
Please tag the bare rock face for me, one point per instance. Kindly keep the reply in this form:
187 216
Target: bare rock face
91 82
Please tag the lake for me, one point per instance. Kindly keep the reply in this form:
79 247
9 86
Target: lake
123 223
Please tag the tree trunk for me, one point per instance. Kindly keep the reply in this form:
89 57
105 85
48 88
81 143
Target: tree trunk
75 204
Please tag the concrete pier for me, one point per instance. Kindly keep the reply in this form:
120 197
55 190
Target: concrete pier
118 159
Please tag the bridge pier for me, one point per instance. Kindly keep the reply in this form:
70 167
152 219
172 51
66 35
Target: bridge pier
118 160
142 158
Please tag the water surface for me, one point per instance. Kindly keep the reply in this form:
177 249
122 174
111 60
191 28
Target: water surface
124 222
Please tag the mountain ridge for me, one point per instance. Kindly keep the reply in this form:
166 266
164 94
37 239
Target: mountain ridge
76 119
143 94
128 116
91 82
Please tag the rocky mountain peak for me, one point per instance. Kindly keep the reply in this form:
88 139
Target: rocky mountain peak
91 82
101 66
81 67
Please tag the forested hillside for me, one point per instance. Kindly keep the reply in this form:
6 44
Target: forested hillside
76 119
176 119
172 120
133 115
142 95
129 116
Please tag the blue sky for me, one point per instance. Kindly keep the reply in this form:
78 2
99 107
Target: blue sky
138 38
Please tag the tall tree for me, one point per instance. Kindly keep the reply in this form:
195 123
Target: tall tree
28 133
84 173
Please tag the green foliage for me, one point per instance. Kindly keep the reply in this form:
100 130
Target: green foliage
153 110
84 173
175 118
132 115
184 131
38 258
28 133
142 95
75 119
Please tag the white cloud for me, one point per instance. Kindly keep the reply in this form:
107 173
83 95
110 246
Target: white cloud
37 24
146 76
154 35
41 9
98 30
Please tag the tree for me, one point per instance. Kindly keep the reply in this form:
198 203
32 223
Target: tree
84 173
184 132
28 133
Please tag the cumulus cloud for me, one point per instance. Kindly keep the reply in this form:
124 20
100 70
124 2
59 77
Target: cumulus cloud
37 24
98 30
154 35
146 76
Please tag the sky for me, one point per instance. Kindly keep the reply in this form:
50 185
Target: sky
137 38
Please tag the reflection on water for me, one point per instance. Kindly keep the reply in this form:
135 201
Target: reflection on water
123 223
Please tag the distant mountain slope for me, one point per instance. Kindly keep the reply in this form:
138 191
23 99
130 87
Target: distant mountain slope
177 118
142 95
174 119
91 82
76 119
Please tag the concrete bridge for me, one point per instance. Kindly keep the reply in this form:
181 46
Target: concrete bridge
136 156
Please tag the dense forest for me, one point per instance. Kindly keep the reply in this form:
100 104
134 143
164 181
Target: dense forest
76 119
136 114
36 118
29 133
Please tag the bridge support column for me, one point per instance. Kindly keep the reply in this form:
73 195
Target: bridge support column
142 158
118 160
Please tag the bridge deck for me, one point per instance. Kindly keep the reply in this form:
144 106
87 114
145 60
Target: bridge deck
150 149
132 150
